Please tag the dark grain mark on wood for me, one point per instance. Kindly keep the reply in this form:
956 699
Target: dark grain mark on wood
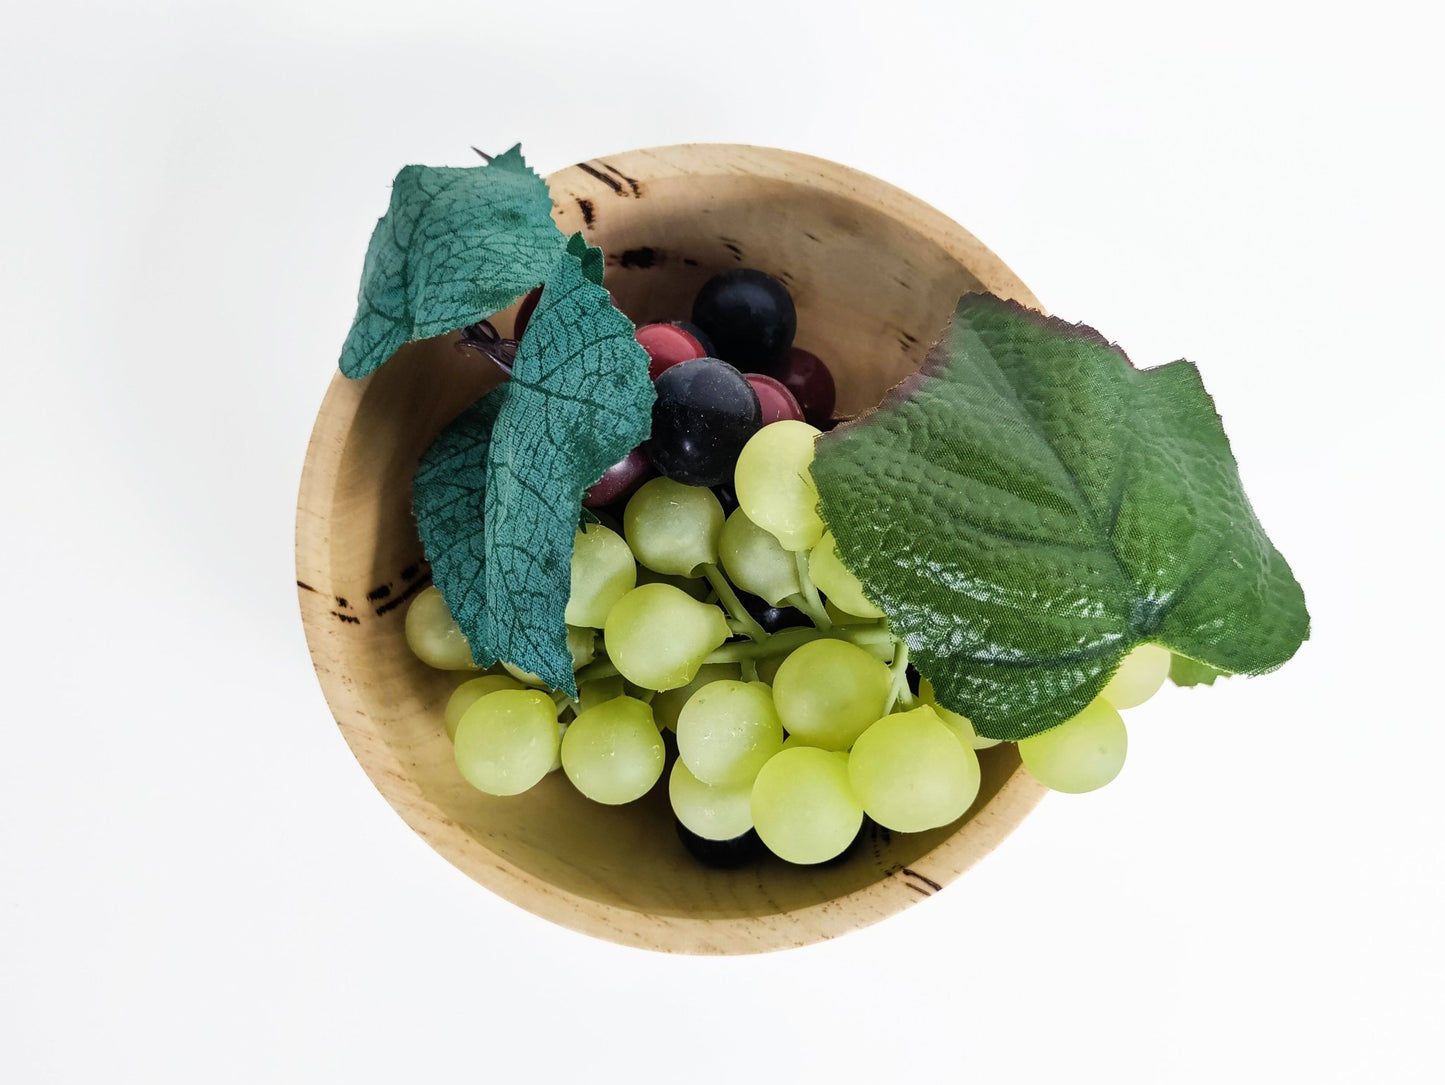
689 261
411 571
646 256
918 889
812 237
593 171
631 182
589 212
377 594
352 618
306 587
411 589
925 880
342 603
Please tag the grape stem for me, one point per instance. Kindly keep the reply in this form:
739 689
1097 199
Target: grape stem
810 602
732 604
898 692
865 636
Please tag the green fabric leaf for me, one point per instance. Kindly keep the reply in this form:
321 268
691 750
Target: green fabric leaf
1184 671
593 263
455 246
448 499
1029 507
579 400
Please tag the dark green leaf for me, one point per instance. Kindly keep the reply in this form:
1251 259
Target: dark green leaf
448 498
1029 507
455 246
1184 671
579 400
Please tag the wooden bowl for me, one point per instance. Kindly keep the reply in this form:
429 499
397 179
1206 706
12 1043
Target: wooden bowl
875 274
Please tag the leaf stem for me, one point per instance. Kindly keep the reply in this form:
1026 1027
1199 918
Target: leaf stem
732 604
814 603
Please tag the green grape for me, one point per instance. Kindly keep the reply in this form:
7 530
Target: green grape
911 772
433 634
581 643
603 571
613 753
775 487
1080 754
657 636
838 616
667 704
593 693
829 691
727 731
673 528
960 725
767 667
714 813
831 577
694 586
507 741
527 678
755 561
562 726
469 693
1139 676
803 805
792 742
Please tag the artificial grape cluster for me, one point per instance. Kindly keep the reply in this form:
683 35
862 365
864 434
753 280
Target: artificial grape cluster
709 602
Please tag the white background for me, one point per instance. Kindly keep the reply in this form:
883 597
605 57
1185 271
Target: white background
198 883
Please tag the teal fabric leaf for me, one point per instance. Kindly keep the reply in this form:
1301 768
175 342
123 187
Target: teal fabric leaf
579 400
1029 507
455 246
448 500
593 263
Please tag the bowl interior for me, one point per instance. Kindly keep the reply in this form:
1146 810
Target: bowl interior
875 276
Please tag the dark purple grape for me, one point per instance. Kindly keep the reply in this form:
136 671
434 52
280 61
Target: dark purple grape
811 383
723 854
704 414
750 317
619 480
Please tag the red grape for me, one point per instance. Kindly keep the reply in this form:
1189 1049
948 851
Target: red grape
777 402
811 384
619 480
666 345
